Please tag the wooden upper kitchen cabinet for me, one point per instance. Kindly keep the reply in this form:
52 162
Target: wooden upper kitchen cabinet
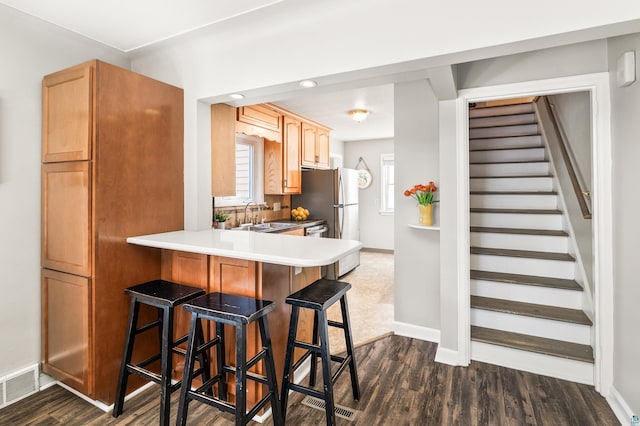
67 115
112 152
263 120
223 150
282 166
315 146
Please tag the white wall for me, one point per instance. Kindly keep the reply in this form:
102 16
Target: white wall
417 252
561 61
625 128
574 116
376 230
30 49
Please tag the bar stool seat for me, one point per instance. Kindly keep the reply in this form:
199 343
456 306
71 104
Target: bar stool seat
237 311
319 296
165 296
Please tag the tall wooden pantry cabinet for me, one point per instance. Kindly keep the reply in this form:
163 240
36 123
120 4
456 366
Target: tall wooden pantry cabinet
112 167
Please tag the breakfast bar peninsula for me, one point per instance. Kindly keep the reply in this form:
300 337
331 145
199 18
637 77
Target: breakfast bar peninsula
262 265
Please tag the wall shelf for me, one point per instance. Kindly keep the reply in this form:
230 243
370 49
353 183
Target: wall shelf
428 228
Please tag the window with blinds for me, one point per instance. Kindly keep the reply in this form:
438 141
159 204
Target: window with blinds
249 172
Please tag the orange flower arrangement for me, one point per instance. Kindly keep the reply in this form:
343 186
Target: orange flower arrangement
422 193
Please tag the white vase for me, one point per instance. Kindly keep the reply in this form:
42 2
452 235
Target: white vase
221 225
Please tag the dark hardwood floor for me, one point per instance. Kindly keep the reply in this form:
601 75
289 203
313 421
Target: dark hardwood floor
400 385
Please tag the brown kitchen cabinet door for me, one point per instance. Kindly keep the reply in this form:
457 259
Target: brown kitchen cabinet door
309 136
223 150
67 115
322 149
66 304
190 269
291 156
242 278
66 223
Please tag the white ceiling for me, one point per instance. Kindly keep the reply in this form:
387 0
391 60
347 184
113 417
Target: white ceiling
128 25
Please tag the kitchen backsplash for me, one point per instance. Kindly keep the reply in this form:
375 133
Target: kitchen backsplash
237 212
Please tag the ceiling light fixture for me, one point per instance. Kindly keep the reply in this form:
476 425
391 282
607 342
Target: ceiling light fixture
307 84
236 96
359 114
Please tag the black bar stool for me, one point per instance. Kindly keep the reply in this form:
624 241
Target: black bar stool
319 296
237 311
165 296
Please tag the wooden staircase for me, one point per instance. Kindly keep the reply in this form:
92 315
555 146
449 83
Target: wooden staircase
526 304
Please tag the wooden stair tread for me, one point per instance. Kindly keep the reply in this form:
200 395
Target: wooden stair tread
543 255
519 231
532 280
555 313
536 344
512 148
513 193
515 211
505 136
509 176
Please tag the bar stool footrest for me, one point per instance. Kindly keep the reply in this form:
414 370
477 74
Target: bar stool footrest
146 327
306 390
135 369
335 324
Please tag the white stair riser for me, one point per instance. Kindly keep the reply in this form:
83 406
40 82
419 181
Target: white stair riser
509 169
513 201
501 132
523 266
505 155
542 184
520 242
550 329
503 120
517 220
527 293
546 365
501 110
501 143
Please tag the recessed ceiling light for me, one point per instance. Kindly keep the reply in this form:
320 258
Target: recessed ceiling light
307 84
236 96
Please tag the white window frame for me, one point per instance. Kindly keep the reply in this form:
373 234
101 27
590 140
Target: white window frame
257 171
385 159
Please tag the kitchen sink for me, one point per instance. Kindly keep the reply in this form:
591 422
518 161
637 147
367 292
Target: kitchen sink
265 226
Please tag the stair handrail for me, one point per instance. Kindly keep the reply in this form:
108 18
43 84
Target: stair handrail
581 194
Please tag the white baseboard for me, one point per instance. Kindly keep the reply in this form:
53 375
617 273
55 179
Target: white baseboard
416 332
101 405
448 356
620 407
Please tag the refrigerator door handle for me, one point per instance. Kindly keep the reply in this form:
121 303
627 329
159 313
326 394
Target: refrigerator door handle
340 204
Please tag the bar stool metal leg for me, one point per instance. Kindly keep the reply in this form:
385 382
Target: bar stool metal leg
166 350
123 378
265 336
241 375
188 371
325 356
288 360
314 356
348 338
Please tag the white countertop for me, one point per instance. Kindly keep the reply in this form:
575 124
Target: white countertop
290 250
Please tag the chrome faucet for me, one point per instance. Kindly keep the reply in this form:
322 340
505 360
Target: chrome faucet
245 210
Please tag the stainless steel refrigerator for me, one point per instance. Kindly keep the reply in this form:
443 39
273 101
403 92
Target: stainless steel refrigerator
333 195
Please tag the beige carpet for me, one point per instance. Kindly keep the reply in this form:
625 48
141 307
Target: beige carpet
370 301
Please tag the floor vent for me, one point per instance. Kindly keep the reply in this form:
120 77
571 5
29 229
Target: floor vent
340 411
18 385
